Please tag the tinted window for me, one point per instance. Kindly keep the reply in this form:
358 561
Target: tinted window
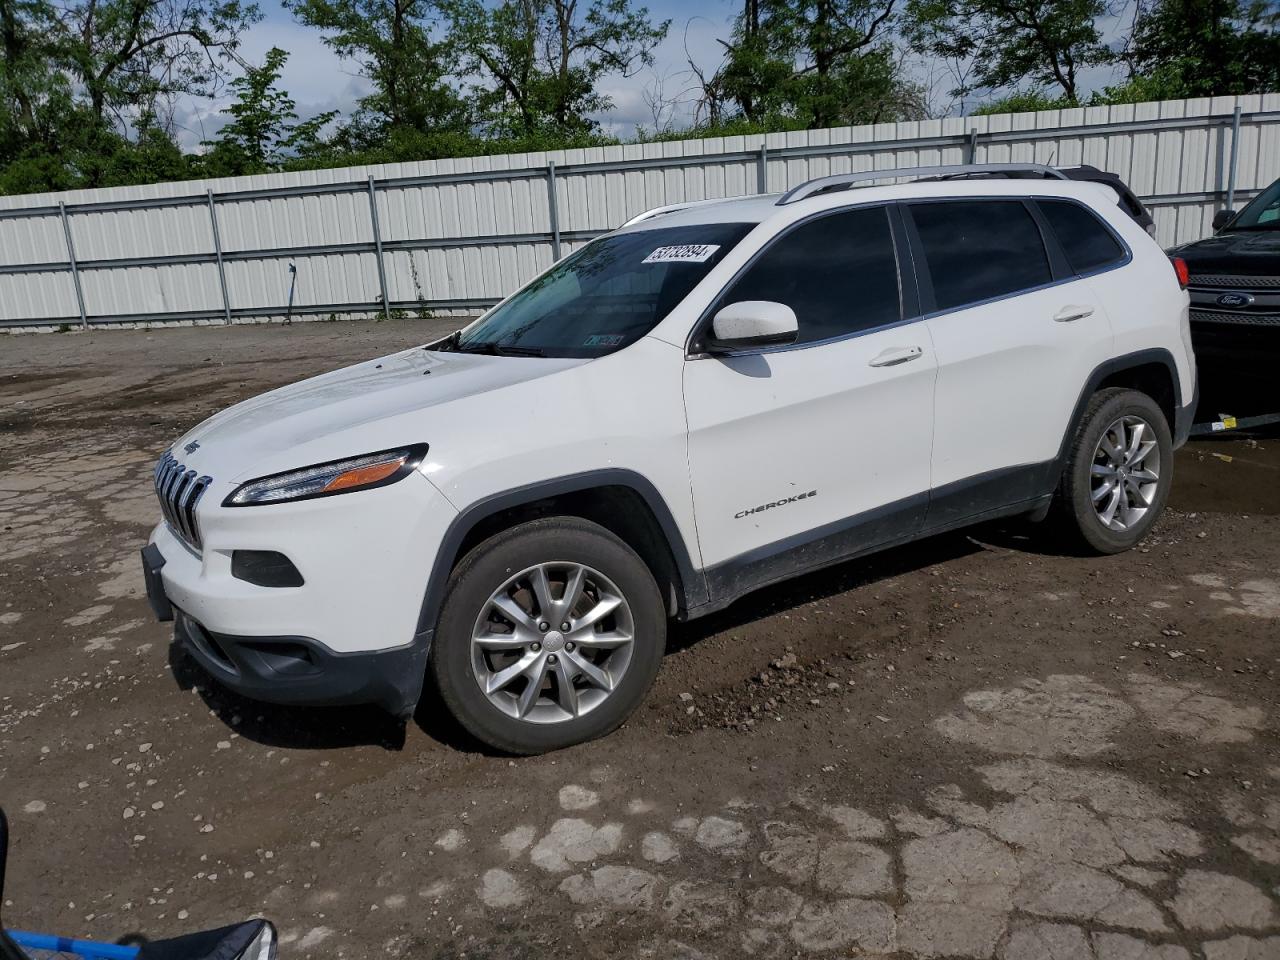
979 249
838 273
1086 242
605 296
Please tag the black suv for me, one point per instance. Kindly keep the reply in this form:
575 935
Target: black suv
1235 285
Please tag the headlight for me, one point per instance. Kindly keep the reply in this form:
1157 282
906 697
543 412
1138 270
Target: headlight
327 479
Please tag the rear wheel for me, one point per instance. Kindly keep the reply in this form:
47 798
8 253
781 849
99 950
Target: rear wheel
1118 473
551 634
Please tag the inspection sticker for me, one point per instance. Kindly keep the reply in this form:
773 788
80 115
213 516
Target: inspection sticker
683 253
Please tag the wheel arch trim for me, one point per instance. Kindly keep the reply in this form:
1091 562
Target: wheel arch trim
1129 361
691 589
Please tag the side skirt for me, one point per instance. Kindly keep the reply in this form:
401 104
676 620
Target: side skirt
989 496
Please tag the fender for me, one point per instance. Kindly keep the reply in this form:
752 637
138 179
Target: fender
1140 358
691 590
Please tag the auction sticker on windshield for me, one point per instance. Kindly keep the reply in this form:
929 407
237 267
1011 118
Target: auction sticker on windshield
683 253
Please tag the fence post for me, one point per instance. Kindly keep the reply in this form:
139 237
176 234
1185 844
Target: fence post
75 270
217 250
971 146
762 170
1234 161
377 246
553 209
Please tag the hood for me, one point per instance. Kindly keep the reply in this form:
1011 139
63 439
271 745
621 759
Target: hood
1251 253
376 405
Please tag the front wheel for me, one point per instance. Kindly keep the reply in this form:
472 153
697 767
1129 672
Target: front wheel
551 633
1119 471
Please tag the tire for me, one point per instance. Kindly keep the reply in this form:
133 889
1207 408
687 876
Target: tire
1144 480
588 680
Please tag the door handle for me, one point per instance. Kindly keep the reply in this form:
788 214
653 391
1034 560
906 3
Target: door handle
1072 312
896 355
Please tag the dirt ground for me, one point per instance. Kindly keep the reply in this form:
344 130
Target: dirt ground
971 747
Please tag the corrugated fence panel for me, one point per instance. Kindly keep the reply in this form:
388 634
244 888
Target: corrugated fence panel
459 234
143 290
37 297
33 240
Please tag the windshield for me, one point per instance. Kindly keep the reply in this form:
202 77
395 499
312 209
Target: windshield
605 296
1262 214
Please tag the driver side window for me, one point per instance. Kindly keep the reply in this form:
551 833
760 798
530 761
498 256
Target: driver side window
838 273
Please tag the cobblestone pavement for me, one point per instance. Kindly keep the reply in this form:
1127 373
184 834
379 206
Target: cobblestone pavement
973 747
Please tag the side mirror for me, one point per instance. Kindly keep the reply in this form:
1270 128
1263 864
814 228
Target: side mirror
752 323
1222 218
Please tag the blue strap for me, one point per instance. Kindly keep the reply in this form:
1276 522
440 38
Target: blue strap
81 948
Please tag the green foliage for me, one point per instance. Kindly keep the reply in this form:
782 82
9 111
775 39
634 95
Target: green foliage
263 132
82 85
1203 48
86 86
816 63
1008 42
538 64
393 43
127 55
1024 102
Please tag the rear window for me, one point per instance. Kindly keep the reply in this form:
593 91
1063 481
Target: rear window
980 249
1087 243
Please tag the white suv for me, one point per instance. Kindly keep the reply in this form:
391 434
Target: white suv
715 397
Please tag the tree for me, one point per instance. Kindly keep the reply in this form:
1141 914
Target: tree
130 55
262 133
539 63
1008 43
35 98
395 45
84 83
816 63
1202 48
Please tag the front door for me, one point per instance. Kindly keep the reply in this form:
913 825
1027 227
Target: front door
802 454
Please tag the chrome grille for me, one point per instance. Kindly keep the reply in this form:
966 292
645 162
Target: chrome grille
179 490
1234 282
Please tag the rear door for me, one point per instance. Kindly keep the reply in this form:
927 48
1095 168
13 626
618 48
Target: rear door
803 453
1017 333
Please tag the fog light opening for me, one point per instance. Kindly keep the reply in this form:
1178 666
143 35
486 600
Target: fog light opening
265 568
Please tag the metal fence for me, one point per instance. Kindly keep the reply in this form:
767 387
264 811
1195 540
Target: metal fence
457 235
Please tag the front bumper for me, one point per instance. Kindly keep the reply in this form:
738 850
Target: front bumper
348 634
293 670
299 670
1236 340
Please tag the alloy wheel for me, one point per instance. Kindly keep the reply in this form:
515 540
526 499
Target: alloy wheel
1125 475
552 643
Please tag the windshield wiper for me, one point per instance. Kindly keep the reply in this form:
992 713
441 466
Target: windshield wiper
500 350
448 343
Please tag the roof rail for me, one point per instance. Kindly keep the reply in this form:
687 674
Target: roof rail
672 208
823 184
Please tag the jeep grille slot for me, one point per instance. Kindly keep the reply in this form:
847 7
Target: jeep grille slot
179 490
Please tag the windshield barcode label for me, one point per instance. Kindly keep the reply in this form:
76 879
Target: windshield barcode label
684 253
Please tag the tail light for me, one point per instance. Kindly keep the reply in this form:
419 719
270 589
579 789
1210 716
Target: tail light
1180 268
